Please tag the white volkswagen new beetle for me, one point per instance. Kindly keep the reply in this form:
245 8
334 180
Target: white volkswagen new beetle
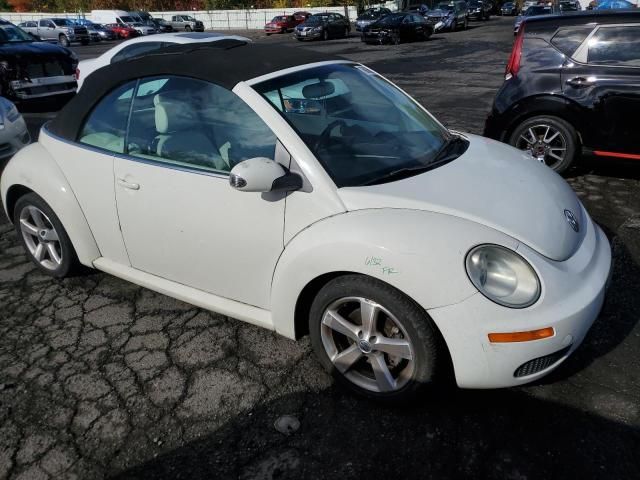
306 194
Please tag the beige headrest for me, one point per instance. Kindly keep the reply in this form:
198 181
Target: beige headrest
172 115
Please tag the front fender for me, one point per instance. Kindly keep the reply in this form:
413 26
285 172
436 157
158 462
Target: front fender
420 253
34 168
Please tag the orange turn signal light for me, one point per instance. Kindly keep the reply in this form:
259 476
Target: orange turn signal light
521 336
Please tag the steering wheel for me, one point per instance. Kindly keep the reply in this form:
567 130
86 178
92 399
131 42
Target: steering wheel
326 133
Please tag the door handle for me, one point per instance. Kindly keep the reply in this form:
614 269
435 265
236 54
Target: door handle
580 82
131 186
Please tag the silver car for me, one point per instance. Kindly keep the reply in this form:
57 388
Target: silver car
13 130
61 30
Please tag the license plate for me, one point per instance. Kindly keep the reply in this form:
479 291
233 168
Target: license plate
303 33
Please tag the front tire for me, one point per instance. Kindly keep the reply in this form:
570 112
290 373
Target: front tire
373 339
550 140
43 237
325 34
187 28
64 40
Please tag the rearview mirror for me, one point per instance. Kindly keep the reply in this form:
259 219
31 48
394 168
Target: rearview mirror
263 175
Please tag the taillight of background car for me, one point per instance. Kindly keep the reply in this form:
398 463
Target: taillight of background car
513 65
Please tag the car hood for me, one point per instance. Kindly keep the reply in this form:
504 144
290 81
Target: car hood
438 13
491 184
33 48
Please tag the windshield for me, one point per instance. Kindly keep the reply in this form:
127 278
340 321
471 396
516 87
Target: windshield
391 20
315 19
359 126
127 19
370 14
537 10
279 19
11 33
62 22
444 6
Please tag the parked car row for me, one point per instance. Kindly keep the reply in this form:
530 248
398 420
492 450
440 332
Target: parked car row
107 25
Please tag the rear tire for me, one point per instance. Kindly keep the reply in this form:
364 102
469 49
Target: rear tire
367 367
48 246
544 127
64 40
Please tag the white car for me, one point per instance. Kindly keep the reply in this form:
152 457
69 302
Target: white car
13 130
141 45
306 194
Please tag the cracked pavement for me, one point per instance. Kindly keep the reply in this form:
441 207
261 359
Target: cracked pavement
102 378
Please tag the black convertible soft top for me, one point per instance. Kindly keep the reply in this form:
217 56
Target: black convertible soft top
223 62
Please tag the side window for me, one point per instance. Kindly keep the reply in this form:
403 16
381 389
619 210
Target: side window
106 125
135 49
615 46
190 123
567 40
44 23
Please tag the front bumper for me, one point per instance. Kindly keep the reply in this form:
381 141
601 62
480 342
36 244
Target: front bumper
43 87
13 137
475 16
308 34
572 296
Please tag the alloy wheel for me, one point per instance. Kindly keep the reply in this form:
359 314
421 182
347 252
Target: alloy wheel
543 142
367 344
40 237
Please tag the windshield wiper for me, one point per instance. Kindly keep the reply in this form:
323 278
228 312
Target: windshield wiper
449 151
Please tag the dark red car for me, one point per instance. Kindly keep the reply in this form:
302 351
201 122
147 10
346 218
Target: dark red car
122 31
281 24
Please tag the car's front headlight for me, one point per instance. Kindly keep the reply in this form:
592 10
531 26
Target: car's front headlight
503 276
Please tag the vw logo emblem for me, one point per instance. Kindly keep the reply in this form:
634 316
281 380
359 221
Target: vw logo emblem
365 346
573 221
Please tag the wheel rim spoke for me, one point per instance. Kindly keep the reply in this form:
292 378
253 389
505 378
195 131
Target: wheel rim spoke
553 155
384 379
397 347
38 254
344 360
549 140
369 314
338 323
53 253
37 217
533 136
27 228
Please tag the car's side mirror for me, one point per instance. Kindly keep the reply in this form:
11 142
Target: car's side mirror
263 175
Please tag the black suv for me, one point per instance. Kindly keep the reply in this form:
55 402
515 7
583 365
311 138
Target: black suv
572 85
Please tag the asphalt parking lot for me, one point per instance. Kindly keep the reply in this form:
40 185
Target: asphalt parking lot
101 378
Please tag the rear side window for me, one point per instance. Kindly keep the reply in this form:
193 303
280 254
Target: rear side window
106 126
567 40
615 46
